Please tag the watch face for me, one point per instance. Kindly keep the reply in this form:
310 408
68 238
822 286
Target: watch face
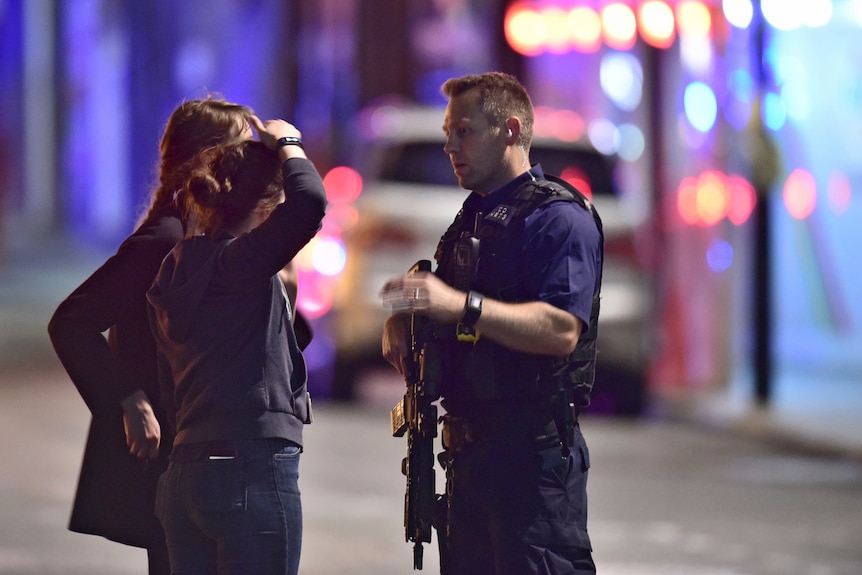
475 301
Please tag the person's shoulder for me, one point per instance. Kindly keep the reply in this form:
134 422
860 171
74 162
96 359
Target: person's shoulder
166 222
563 215
565 193
153 239
164 227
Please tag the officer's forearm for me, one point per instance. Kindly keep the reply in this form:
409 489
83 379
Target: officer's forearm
531 327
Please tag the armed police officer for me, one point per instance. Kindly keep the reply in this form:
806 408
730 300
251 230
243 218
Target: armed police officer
514 301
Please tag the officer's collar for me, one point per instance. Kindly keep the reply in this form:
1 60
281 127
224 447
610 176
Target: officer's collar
500 195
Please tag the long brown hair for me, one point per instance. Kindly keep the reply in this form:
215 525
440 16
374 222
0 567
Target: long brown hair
193 127
230 182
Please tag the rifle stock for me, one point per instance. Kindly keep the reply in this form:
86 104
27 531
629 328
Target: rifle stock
416 416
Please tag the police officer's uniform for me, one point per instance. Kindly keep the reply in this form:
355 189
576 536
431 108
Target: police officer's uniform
516 460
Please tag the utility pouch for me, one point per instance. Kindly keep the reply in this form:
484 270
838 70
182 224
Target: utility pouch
456 433
549 446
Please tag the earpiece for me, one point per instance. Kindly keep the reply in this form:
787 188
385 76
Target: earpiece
509 133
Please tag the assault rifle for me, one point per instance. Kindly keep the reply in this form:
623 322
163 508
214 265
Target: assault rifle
417 416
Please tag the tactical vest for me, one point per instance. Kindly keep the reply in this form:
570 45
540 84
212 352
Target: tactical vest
481 372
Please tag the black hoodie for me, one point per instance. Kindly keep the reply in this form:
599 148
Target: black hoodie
229 364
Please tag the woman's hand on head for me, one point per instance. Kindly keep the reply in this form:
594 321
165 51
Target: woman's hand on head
271 130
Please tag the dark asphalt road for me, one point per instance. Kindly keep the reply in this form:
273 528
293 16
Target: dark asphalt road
665 499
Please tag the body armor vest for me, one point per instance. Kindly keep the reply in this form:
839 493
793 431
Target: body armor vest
486 259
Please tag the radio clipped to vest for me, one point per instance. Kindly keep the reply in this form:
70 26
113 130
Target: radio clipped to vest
485 257
466 262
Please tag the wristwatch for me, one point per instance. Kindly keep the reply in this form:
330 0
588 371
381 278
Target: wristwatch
472 308
289 141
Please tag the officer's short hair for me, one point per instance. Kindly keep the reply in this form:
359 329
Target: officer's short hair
502 96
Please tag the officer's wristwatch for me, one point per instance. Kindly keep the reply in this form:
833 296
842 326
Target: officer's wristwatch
472 309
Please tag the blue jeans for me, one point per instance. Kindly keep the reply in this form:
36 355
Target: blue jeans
232 508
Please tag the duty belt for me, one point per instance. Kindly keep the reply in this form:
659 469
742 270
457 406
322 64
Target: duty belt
459 433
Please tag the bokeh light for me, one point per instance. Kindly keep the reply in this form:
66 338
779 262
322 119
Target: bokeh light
619 25
656 23
557 30
772 112
621 78
343 216
795 84
632 142
701 107
800 194
533 28
329 256
693 19
791 14
737 107
525 30
696 54
604 136
742 199
719 255
738 12
579 179
342 184
839 192
686 201
713 197
567 125
585 29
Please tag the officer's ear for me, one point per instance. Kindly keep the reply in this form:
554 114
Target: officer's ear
512 131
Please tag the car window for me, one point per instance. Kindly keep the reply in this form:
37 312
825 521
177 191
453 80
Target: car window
426 163
582 168
418 163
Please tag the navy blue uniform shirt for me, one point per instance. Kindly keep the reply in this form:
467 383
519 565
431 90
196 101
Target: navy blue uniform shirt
561 253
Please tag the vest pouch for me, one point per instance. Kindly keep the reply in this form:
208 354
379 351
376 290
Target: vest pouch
479 371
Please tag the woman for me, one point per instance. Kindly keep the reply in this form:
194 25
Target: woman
128 442
231 369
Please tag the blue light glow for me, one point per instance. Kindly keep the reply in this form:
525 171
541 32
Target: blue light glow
631 142
604 136
737 108
719 255
773 113
621 77
784 15
700 106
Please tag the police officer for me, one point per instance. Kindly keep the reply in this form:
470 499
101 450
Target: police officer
514 301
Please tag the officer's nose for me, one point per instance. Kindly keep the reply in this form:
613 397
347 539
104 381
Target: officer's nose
449 145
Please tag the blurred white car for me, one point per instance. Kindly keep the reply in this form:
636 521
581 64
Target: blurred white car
410 196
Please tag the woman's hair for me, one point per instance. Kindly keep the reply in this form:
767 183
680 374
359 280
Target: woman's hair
501 97
193 127
230 182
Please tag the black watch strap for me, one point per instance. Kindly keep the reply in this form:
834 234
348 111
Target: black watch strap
472 308
290 141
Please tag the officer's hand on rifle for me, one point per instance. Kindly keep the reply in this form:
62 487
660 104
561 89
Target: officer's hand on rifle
396 341
423 292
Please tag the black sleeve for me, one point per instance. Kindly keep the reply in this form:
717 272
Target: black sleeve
262 252
110 294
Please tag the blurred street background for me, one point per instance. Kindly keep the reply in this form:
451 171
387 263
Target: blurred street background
719 141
